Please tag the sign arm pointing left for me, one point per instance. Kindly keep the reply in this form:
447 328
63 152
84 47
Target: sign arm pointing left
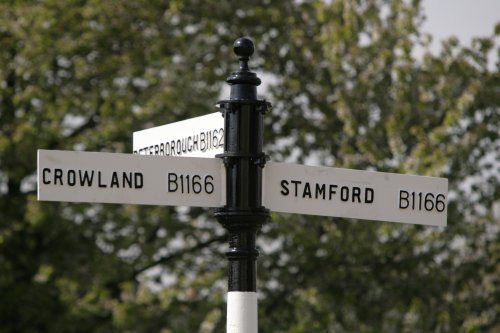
130 179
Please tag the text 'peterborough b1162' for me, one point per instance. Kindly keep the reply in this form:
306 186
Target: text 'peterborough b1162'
196 137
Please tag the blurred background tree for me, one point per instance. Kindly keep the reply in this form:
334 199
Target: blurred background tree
348 91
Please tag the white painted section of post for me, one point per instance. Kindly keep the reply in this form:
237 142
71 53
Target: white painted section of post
241 312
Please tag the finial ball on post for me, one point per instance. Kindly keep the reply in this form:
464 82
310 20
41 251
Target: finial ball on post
243 47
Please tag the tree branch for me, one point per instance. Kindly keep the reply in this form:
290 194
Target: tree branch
167 258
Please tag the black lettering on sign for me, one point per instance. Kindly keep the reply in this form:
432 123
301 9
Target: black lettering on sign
172 148
172 182
311 190
58 174
284 188
44 176
114 180
71 177
307 191
195 142
86 178
178 147
99 180
138 180
333 190
201 141
221 140
215 139
344 193
197 184
187 183
296 183
369 195
167 149
209 184
403 199
422 201
356 194
320 191
127 179
184 145
203 146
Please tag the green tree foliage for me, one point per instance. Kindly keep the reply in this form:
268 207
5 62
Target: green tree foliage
353 85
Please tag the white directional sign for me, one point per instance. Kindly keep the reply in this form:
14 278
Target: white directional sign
357 194
196 137
126 178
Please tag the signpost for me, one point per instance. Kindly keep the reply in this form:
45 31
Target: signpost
239 182
355 194
196 137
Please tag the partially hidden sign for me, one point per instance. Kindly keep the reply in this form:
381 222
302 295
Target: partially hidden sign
196 137
356 194
130 179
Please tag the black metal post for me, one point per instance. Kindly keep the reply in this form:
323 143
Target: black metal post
243 158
